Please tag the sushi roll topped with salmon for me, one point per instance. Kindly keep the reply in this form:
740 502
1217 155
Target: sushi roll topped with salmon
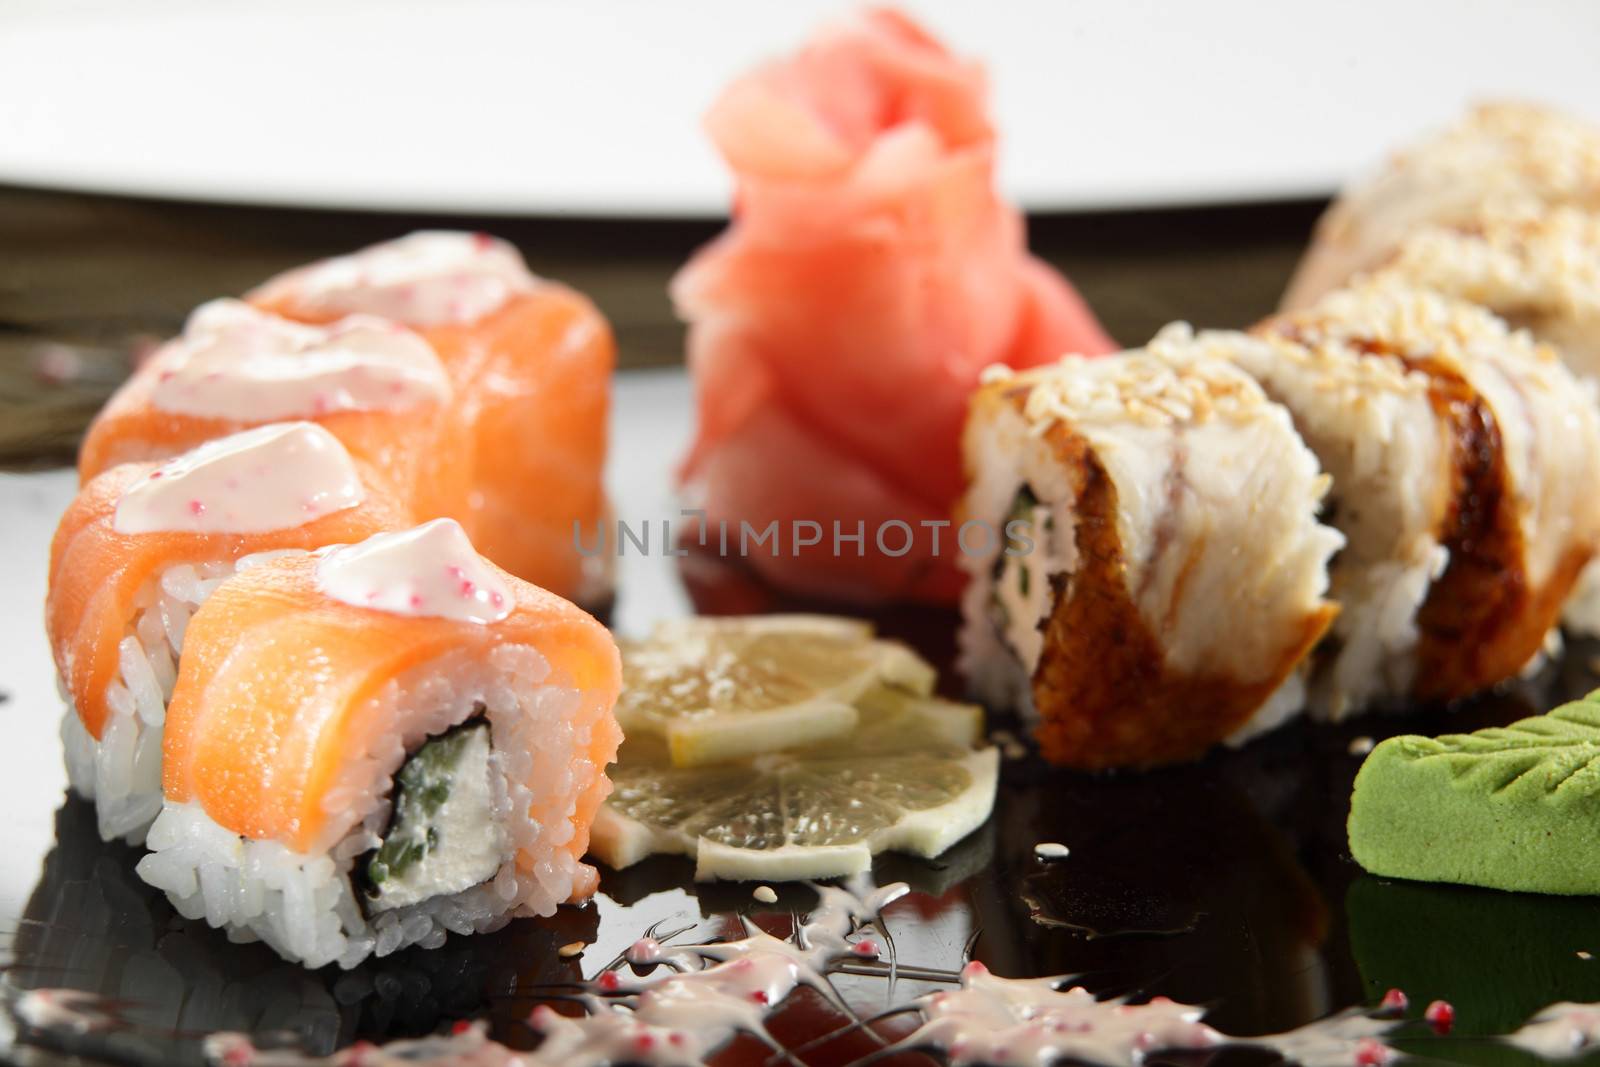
530 363
1155 573
142 547
374 384
377 744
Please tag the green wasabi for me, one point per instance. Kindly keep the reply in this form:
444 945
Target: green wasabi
1514 807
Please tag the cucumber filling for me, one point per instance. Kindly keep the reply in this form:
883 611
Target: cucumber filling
1022 591
443 837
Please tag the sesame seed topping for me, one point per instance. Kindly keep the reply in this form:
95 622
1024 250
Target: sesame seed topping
1179 379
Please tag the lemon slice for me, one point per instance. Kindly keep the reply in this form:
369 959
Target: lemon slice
719 689
906 778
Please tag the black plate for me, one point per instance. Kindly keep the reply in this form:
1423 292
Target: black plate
1227 884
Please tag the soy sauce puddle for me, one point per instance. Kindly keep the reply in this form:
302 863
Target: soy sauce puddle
665 1005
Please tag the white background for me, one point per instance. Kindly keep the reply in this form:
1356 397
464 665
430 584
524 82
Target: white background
593 107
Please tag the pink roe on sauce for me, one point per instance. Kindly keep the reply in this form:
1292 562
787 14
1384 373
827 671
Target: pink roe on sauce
1394 1000
645 950
1370 1052
1440 1015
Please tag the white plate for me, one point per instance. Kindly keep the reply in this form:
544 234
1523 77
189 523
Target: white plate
566 106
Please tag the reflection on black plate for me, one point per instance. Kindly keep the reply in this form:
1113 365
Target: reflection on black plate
91 924
1226 884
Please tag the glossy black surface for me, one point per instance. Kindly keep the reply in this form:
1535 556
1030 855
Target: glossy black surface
1227 884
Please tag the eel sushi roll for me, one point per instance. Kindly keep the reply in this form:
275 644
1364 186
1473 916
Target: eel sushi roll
1499 157
531 363
1540 271
374 384
1537 269
1464 457
1152 572
379 744
140 548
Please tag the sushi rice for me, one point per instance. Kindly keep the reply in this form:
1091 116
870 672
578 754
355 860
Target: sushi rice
304 904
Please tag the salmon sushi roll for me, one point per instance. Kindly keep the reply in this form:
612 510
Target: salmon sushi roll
1146 567
141 548
374 384
1504 156
379 744
1464 457
531 363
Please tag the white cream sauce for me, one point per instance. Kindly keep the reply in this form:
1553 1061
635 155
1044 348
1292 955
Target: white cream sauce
1033 1022
1560 1031
1007 1021
428 278
430 570
698 996
274 477
235 362
73 1010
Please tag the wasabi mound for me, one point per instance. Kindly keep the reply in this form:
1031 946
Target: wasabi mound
1514 807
